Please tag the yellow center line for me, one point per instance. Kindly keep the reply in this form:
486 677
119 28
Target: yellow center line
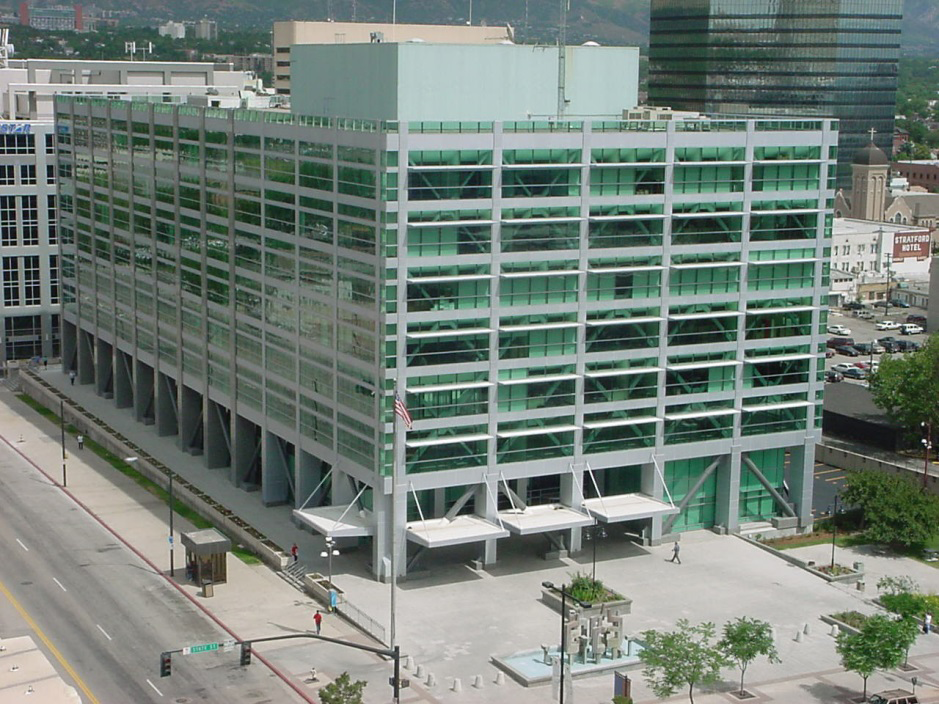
828 471
48 643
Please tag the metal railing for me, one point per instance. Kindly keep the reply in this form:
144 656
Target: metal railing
362 620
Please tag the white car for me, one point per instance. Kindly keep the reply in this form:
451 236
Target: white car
887 325
838 330
841 366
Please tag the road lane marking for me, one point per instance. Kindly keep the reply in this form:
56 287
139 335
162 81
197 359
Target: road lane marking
154 688
48 643
104 632
21 545
60 584
828 471
835 479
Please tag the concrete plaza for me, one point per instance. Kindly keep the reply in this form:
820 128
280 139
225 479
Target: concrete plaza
452 619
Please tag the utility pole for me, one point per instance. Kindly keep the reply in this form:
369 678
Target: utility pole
927 446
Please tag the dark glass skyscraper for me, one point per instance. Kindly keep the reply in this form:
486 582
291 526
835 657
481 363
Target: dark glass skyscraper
829 57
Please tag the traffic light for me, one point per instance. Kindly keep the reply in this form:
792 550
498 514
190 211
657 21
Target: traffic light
166 664
245 654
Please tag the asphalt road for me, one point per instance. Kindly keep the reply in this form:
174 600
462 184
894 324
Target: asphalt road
101 614
828 482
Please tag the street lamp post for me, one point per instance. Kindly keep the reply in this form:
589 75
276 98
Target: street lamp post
887 293
564 597
834 532
62 430
328 554
927 446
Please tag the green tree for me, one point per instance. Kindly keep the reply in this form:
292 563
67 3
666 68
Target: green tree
906 387
746 639
685 657
343 690
895 510
880 645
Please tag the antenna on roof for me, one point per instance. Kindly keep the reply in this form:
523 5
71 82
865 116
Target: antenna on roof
562 58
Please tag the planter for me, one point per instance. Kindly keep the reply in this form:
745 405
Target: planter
317 586
842 626
853 575
621 606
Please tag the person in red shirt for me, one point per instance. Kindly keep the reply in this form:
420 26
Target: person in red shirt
295 552
318 620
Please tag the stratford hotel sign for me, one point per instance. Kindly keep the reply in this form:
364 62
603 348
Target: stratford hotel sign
911 244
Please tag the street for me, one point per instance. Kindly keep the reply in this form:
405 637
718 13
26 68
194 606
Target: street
106 613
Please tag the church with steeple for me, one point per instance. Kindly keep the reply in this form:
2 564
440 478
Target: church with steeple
875 196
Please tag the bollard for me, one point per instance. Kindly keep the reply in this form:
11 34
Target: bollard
431 680
805 629
835 631
500 677
457 685
798 636
478 681
408 662
860 585
420 672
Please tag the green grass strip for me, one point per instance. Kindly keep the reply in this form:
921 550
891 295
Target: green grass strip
128 471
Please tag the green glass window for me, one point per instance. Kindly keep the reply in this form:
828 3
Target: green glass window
540 183
680 477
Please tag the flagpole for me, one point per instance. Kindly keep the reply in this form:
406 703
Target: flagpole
394 526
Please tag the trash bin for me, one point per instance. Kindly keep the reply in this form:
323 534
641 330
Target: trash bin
208 589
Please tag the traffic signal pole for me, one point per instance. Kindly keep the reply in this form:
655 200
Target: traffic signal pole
397 684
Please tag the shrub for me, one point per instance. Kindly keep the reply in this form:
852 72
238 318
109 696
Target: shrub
855 619
585 588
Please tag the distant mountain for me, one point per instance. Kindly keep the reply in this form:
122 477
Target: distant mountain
606 21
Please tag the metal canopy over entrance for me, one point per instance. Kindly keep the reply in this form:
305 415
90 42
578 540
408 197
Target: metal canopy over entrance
543 519
337 521
444 532
627 507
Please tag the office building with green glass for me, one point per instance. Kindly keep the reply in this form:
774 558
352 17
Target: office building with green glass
834 58
590 320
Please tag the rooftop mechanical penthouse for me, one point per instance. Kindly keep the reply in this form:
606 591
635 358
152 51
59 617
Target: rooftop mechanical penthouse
591 320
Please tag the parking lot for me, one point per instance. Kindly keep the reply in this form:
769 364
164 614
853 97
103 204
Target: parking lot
865 331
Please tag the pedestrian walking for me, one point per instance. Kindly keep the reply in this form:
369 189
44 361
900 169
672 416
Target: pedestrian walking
45 363
81 441
318 620
676 548
927 623
71 377
295 552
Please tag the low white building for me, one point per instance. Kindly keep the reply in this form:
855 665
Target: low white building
870 251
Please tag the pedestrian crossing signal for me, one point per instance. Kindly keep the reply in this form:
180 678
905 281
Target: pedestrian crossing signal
245 654
166 664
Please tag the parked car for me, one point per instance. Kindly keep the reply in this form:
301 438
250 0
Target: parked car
837 329
833 376
848 351
837 342
893 696
867 366
907 345
899 304
890 344
855 373
869 348
841 366
910 329
864 314
887 325
917 319
853 305
829 353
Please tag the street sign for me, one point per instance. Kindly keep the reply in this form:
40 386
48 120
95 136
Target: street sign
228 645
203 648
171 540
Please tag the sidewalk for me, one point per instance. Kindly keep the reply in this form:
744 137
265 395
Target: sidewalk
452 619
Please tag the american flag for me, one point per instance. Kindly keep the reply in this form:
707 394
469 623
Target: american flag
402 411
